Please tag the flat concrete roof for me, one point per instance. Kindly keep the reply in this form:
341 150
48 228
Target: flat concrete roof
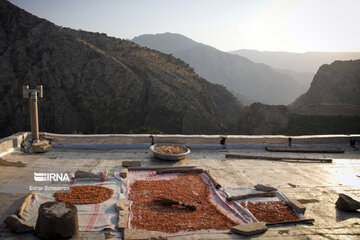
318 184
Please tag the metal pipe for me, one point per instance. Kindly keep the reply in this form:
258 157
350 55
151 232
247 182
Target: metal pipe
34 117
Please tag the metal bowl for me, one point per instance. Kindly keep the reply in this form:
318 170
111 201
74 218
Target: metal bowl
170 157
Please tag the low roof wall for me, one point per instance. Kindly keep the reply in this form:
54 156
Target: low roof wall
14 141
199 139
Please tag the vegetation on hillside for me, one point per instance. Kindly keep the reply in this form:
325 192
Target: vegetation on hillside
312 125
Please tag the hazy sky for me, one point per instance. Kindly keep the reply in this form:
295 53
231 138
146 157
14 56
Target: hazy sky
273 25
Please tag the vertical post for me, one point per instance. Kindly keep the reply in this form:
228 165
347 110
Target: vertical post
34 116
33 94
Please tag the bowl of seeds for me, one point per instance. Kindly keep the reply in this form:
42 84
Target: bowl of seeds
172 152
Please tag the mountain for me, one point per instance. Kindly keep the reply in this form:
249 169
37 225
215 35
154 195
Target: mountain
261 119
303 79
335 89
330 106
308 62
257 82
98 84
243 99
300 66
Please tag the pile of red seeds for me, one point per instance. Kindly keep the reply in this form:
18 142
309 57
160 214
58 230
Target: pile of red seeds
270 212
170 149
85 194
187 188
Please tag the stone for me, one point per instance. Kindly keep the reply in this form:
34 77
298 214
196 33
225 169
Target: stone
124 172
41 147
17 225
265 188
84 174
123 219
347 203
134 163
53 226
296 206
122 204
250 228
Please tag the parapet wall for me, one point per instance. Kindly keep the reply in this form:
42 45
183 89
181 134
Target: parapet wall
14 141
200 139
7 144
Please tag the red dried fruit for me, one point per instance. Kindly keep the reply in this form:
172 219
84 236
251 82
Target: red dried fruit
270 212
187 188
170 149
85 194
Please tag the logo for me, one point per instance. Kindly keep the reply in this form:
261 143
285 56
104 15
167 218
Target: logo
51 177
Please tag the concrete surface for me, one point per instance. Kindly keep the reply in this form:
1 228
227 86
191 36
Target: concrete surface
316 185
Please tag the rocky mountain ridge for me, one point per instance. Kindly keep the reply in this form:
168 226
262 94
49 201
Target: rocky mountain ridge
97 84
300 66
335 90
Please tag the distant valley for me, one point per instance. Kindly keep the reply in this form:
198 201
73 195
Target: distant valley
252 82
331 105
302 67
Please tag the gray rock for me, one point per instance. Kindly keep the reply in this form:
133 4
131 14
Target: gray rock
250 228
17 225
347 203
53 226
265 188
41 147
26 144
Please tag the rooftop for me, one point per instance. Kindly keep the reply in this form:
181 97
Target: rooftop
317 185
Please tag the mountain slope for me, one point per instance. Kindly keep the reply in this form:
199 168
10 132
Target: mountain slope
304 79
263 119
300 66
337 83
258 82
330 106
98 84
335 88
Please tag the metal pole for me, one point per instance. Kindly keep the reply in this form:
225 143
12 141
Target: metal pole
33 95
34 117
